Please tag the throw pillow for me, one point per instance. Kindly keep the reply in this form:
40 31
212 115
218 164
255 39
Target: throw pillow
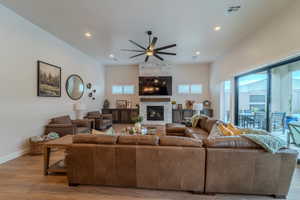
215 132
234 129
225 131
96 132
109 131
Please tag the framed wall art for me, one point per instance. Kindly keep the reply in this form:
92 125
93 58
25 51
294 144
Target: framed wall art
49 80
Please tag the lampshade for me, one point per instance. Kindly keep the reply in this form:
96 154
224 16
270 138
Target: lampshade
79 106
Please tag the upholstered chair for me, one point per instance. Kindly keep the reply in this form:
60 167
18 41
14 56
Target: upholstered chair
65 126
101 121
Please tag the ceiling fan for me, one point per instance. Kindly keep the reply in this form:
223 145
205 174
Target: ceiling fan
150 50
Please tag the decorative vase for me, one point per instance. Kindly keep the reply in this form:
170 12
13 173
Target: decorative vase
138 126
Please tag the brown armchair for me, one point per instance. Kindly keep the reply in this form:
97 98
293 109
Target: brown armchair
101 121
65 126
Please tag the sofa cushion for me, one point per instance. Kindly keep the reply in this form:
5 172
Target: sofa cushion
202 134
209 124
175 128
95 139
94 114
62 120
83 130
139 140
179 141
230 142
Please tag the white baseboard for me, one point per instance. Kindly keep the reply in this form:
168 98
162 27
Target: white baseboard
11 156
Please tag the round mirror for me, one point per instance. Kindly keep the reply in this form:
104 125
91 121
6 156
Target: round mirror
74 87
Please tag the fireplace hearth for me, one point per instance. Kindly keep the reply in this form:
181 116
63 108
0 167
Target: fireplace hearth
155 113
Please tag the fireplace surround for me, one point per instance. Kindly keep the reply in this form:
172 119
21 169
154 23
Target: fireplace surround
155 113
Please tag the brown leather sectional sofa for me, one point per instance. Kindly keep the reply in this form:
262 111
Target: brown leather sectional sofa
166 162
192 162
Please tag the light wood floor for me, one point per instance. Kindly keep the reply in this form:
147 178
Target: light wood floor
23 179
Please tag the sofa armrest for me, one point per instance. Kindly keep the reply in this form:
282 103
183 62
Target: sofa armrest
60 126
83 122
106 116
61 129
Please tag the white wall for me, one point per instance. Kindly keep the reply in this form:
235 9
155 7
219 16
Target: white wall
277 40
181 73
22 113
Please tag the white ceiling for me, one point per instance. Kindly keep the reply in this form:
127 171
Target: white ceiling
189 23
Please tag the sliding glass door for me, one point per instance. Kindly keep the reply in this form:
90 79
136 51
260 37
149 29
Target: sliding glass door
252 93
269 99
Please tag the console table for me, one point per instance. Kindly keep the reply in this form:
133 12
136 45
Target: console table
60 143
122 115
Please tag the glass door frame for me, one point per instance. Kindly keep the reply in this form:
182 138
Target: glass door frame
267 69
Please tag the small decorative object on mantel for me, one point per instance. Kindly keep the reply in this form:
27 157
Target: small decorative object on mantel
49 80
106 104
189 104
206 104
173 105
179 106
129 104
121 103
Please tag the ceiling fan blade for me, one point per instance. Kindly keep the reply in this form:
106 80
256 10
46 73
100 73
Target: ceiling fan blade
132 50
137 55
157 56
166 53
165 47
146 59
133 42
152 45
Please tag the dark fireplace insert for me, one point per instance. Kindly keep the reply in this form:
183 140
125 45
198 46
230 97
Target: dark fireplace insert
155 113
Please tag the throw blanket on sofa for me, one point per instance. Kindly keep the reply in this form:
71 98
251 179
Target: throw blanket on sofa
194 120
269 142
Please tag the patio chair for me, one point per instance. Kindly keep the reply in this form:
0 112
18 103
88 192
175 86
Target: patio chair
294 133
277 120
259 120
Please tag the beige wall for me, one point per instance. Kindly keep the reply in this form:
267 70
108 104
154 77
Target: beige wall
181 73
121 75
277 40
22 113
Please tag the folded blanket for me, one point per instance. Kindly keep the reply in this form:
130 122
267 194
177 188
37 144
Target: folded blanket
194 120
269 142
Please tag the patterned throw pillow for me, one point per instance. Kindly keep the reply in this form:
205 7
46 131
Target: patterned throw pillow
234 129
225 131
215 132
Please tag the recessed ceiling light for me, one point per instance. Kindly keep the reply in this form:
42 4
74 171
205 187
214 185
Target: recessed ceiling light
197 53
88 34
111 55
217 28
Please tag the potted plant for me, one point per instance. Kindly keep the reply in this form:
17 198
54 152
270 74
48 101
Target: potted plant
138 122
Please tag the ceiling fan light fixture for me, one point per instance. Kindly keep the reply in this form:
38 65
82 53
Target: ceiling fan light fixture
149 53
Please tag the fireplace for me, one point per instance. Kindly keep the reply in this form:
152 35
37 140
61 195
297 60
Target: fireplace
155 113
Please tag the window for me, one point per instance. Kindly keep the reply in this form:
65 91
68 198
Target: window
183 89
196 89
123 89
190 89
117 89
128 89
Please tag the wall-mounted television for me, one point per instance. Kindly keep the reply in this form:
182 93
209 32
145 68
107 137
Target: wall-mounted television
155 86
